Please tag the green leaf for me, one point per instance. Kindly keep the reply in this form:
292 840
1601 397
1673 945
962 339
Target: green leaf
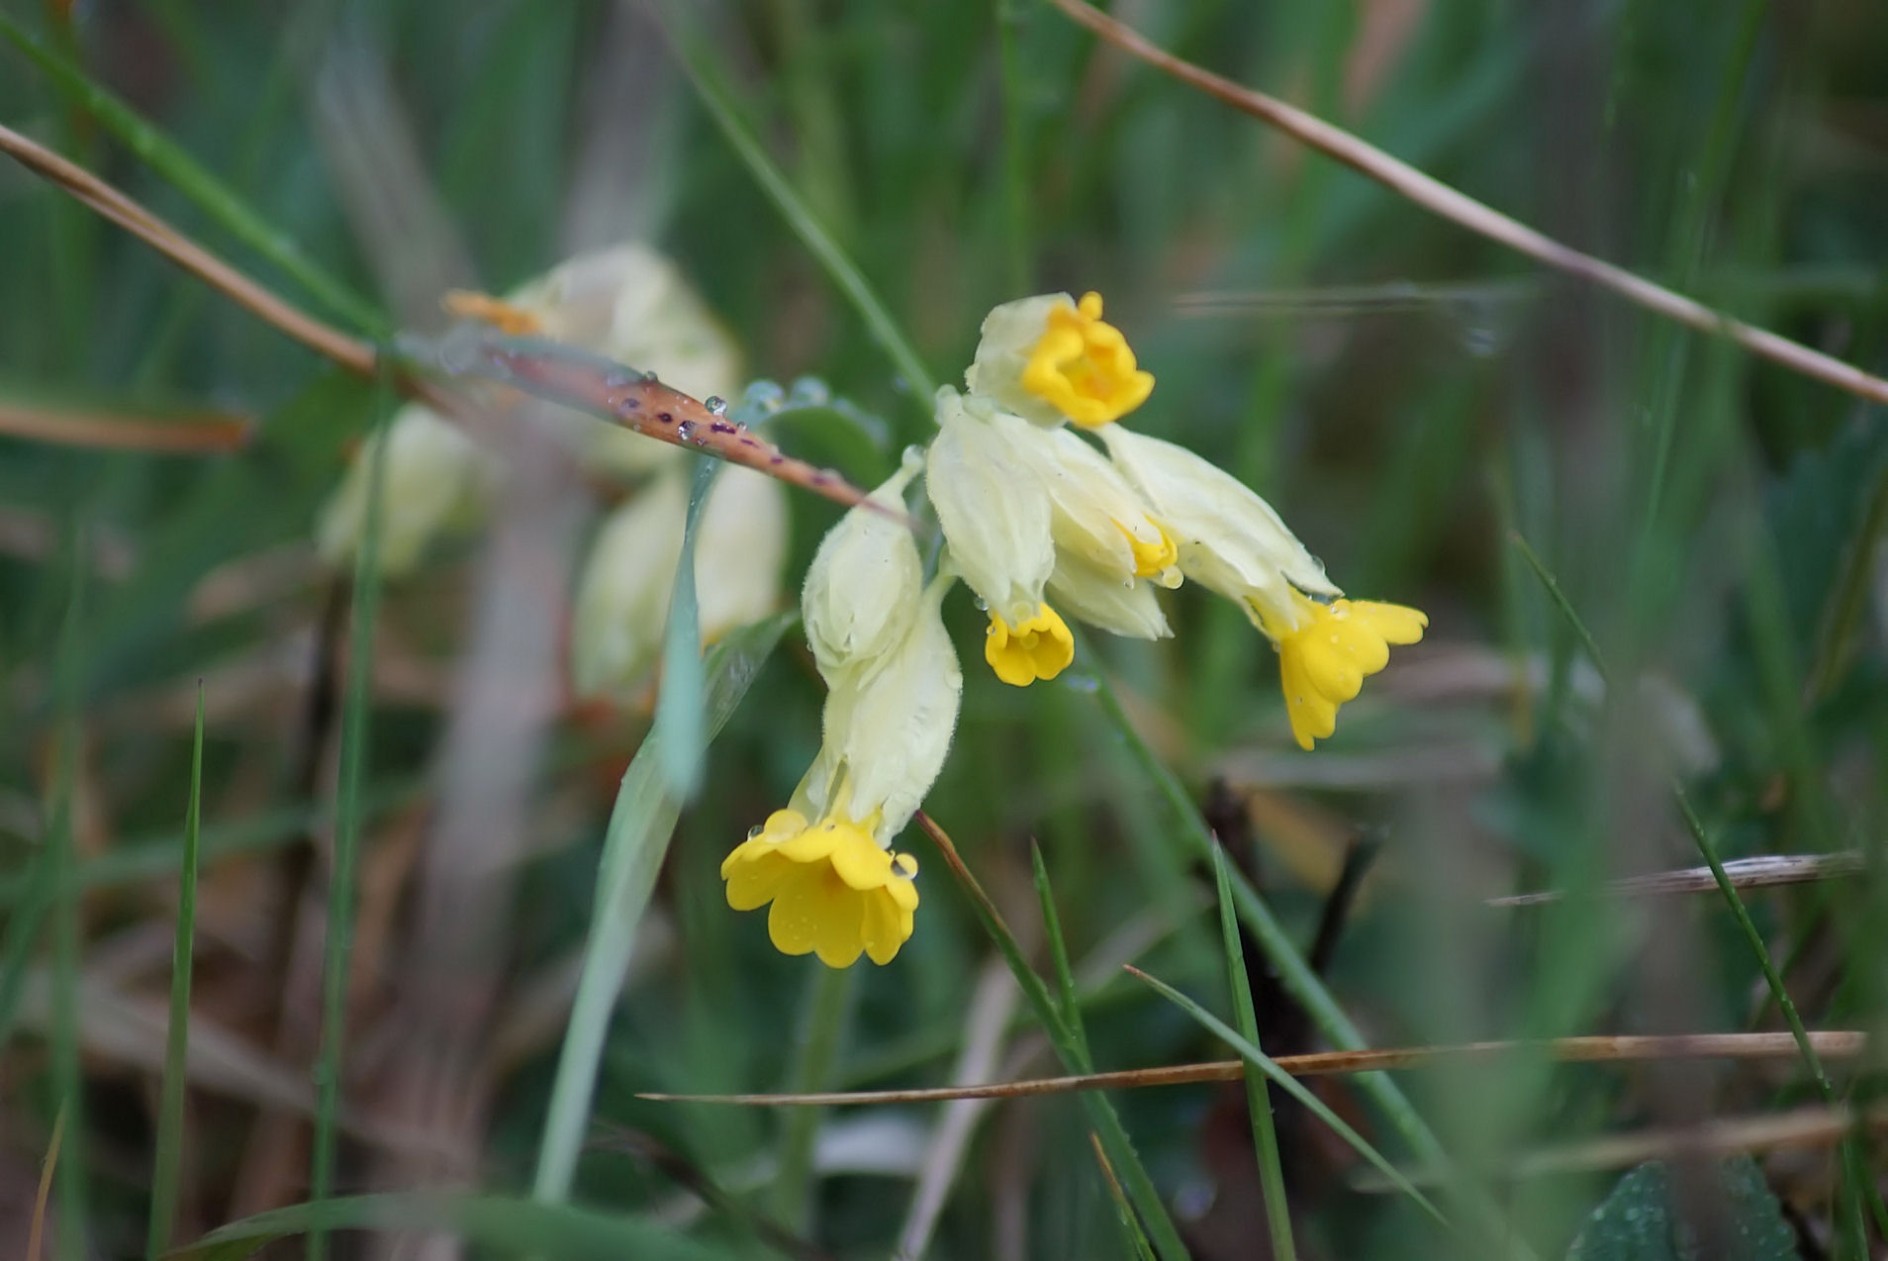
634 846
506 1225
1637 1222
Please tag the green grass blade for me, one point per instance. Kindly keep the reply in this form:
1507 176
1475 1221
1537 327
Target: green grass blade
170 1115
23 924
215 198
1258 1096
62 845
678 705
1257 1059
812 1070
1071 1047
1298 978
506 1225
357 702
1071 1001
634 845
805 224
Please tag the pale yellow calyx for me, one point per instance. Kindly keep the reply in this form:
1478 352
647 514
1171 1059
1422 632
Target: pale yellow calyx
513 321
1083 367
1038 647
834 891
1325 657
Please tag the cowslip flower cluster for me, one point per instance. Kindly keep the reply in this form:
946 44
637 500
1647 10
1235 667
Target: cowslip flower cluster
1040 524
630 304
1043 525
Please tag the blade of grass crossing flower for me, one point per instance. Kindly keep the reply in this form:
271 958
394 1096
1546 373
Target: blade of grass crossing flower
1259 1060
678 705
1071 1047
215 198
348 816
634 844
170 1116
805 224
1258 1096
1071 1000
62 846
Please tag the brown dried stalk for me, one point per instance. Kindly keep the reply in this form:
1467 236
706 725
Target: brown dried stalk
606 389
1438 198
194 432
1836 1044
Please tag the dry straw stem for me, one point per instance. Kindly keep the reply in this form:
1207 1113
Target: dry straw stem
1745 873
632 400
36 1232
1836 1044
186 434
351 353
1439 198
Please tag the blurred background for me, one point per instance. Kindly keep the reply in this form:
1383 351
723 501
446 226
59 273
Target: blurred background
1425 408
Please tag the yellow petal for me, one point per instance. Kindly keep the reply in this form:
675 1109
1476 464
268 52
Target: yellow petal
1313 717
1395 623
754 880
839 937
860 863
887 927
795 922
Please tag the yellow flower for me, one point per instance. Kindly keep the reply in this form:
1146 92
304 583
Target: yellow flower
836 886
835 892
1049 358
1028 511
1325 656
1038 647
1229 540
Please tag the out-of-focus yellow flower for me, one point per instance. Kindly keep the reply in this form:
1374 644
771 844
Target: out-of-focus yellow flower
622 602
1027 510
436 481
825 862
633 305
1050 358
1324 659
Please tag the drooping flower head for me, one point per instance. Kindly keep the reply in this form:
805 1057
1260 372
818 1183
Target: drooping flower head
1232 542
1050 359
1029 511
437 481
825 862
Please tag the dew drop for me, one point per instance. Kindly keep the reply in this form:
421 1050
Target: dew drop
685 432
754 832
716 404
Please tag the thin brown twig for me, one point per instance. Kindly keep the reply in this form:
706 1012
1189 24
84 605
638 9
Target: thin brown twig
351 353
195 432
634 400
1595 1049
1435 196
35 1233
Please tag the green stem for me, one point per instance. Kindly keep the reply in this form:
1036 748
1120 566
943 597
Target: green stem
828 1005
